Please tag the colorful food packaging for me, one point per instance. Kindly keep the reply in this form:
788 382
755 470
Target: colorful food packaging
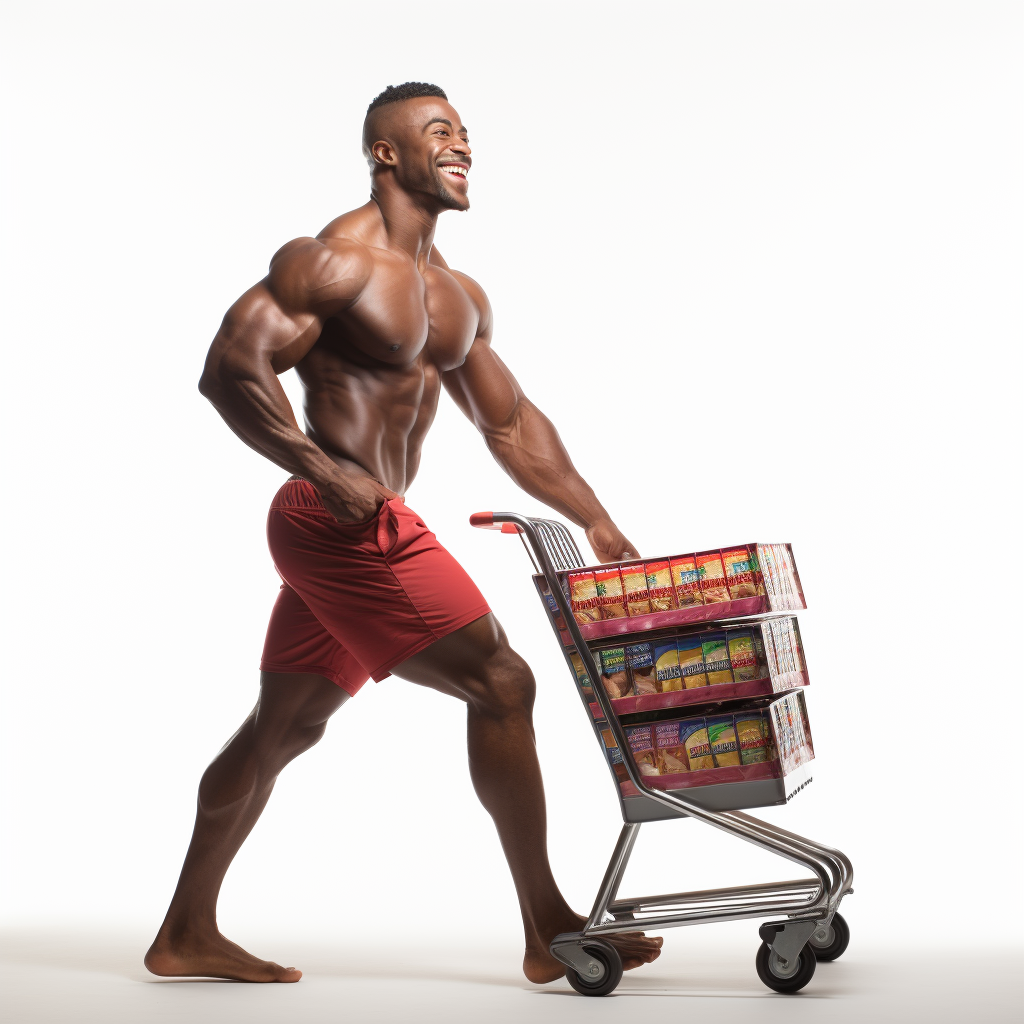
691 661
634 583
640 661
582 677
742 656
739 576
659 586
614 755
641 744
666 662
583 597
712 578
716 658
693 733
722 737
553 610
613 672
608 583
669 749
752 737
686 580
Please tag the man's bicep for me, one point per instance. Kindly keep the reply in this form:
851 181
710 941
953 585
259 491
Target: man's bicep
484 388
257 330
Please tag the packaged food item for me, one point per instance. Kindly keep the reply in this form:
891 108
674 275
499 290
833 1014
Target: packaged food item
641 744
608 583
722 737
613 672
666 662
670 748
634 582
712 578
614 755
739 576
582 677
640 662
691 661
686 580
752 737
742 657
693 732
659 585
583 597
552 606
716 658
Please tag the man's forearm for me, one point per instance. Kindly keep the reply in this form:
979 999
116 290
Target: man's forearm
532 453
256 408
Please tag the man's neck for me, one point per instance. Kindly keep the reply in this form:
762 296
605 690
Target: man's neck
408 224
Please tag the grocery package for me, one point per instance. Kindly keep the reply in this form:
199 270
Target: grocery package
640 666
641 745
745 579
613 672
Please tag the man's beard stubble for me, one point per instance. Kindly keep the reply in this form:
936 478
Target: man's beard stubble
447 200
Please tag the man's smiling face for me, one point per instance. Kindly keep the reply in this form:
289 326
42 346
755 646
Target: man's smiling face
427 145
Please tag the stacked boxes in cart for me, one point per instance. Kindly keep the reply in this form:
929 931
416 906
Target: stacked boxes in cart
666 635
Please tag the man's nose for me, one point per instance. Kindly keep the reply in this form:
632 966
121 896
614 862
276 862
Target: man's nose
461 146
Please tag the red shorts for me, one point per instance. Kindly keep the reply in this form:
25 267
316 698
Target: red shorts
360 598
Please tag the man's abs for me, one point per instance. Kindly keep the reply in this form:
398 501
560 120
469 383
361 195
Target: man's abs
369 418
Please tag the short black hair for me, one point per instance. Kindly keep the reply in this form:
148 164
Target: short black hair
406 91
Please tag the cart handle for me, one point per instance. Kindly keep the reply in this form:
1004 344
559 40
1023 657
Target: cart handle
485 521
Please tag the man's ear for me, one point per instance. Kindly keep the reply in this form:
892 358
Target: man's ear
384 153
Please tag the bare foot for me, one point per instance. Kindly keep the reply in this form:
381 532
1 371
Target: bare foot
211 956
635 948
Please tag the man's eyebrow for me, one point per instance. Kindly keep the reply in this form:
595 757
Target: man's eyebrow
443 120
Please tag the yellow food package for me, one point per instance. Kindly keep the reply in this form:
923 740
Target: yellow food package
716 658
659 585
686 580
634 582
608 583
694 734
666 663
712 578
691 661
752 737
739 575
583 597
582 677
742 656
722 737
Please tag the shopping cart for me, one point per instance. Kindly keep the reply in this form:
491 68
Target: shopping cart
807 925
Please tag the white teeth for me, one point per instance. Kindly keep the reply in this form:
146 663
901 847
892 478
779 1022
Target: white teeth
456 170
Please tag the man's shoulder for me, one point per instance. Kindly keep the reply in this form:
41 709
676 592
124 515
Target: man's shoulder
308 272
471 287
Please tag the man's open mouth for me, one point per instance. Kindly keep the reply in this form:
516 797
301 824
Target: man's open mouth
458 171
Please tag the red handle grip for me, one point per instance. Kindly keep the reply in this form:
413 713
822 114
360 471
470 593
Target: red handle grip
485 521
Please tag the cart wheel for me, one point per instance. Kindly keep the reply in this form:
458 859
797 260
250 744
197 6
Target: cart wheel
790 978
610 960
833 943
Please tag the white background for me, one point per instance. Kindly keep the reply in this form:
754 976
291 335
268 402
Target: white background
759 262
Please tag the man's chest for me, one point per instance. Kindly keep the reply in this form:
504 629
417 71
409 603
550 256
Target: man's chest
403 314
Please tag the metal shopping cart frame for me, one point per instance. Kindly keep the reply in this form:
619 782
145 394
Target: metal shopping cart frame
807 926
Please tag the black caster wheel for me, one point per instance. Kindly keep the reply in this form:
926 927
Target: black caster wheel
830 943
790 978
608 957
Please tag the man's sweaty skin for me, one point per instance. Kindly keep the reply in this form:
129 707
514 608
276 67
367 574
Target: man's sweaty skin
375 323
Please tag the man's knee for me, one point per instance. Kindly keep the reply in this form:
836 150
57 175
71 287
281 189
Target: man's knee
282 742
504 684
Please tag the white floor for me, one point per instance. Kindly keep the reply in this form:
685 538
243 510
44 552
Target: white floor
68 976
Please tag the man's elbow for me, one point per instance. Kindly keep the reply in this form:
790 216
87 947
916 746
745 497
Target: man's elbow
210 385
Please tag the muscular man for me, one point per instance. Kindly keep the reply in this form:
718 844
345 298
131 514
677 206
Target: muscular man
376 323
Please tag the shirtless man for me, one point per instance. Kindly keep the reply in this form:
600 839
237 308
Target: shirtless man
375 323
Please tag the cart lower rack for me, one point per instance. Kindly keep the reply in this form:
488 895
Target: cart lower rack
806 925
